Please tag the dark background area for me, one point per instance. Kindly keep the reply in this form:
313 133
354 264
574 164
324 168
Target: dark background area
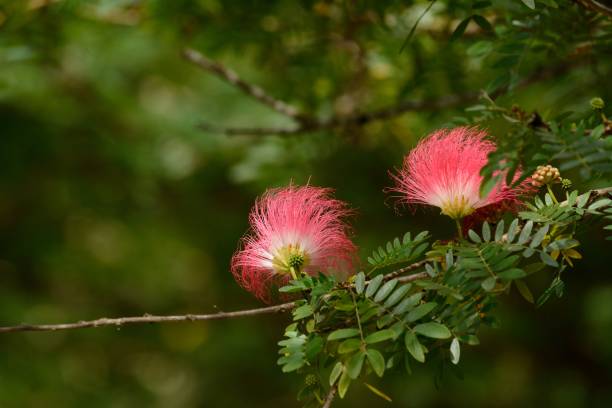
113 202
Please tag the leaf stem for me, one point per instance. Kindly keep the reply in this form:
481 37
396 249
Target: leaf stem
358 318
552 194
293 273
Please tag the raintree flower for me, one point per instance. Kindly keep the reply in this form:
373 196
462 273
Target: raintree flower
443 170
294 230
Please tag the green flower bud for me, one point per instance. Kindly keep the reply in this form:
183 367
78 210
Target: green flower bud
597 103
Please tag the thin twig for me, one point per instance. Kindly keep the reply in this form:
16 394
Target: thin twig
414 277
356 119
307 123
405 269
120 321
232 78
148 319
598 6
330 397
602 191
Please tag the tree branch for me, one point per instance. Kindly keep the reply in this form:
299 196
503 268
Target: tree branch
330 397
306 123
148 319
598 6
405 269
357 119
411 278
232 78
120 321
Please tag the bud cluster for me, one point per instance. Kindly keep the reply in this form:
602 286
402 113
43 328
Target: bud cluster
545 175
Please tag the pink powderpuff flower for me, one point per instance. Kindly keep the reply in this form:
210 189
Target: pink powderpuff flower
294 230
443 170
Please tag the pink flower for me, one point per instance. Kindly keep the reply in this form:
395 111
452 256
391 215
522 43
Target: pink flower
443 170
294 229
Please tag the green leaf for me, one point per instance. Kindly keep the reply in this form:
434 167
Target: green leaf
397 295
335 373
474 236
481 4
460 29
512 230
486 231
599 203
295 362
472 340
414 347
482 22
506 262
378 392
348 346
556 286
582 199
343 384
455 350
354 365
448 258
499 231
379 336
529 3
360 282
385 290
524 290
480 49
547 259
313 347
539 236
525 233
433 330
342 334
408 303
420 311
373 285
302 312
514 273
489 283
377 361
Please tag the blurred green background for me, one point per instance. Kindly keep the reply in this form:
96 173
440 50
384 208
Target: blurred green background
113 202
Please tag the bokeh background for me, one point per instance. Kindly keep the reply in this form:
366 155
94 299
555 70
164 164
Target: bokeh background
114 202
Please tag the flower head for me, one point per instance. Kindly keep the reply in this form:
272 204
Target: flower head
294 230
443 170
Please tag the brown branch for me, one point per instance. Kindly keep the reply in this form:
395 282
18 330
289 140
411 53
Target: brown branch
602 191
232 78
329 398
362 118
306 123
598 6
148 319
285 307
416 276
357 119
405 269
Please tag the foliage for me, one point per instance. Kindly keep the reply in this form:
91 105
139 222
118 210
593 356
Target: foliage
114 200
346 332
